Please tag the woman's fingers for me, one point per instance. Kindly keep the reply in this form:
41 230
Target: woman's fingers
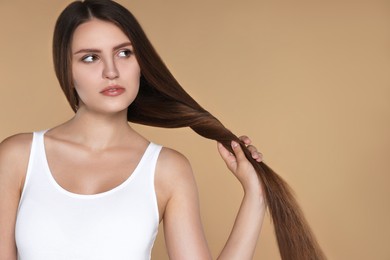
245 139
228 157
255 154
233 160
238 164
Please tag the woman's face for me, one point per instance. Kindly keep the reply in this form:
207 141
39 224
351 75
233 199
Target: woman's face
105 71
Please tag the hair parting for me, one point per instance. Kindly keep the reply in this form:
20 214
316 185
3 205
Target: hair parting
162 102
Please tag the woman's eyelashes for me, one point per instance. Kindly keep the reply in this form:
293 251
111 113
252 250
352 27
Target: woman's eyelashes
125 53
90 58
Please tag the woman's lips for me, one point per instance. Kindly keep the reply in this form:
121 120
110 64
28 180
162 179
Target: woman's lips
113 91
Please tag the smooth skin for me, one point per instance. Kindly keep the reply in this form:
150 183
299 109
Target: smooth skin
100 147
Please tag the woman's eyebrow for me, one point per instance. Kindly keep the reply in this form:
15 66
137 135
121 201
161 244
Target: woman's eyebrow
125 44
88 50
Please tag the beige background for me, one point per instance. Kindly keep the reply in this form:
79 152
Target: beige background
307 80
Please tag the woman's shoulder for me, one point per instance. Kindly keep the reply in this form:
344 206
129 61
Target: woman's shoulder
174 179
14 155
173 161
173 169
15 144
15 149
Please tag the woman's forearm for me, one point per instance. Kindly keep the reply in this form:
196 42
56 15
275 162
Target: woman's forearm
243 238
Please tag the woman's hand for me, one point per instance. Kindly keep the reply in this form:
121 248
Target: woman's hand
238 164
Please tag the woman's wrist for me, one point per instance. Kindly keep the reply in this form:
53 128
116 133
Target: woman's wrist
254 192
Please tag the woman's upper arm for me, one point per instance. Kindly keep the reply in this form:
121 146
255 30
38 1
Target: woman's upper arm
183 229
14 154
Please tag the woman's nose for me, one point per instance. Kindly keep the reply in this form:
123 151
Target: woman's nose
110 70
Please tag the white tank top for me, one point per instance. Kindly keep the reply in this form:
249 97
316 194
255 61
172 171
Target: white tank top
55 224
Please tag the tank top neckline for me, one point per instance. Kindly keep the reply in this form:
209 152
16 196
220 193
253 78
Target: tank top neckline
96 195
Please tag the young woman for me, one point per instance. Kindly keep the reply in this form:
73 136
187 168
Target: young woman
94 188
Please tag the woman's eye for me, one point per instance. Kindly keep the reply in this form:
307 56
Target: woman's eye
124 53
89 58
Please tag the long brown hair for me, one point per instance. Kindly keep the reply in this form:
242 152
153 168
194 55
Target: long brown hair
162 102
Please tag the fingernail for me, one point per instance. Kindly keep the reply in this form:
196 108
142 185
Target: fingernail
234 144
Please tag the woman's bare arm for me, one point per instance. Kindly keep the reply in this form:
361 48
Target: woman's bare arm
182 225
242 241
176 188
14 154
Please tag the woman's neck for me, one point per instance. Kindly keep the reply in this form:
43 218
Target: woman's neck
98 131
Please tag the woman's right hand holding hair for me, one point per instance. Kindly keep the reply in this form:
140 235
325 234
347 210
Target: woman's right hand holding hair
242 241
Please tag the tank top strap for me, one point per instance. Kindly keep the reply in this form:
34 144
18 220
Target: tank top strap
35 154
145 170
153 154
